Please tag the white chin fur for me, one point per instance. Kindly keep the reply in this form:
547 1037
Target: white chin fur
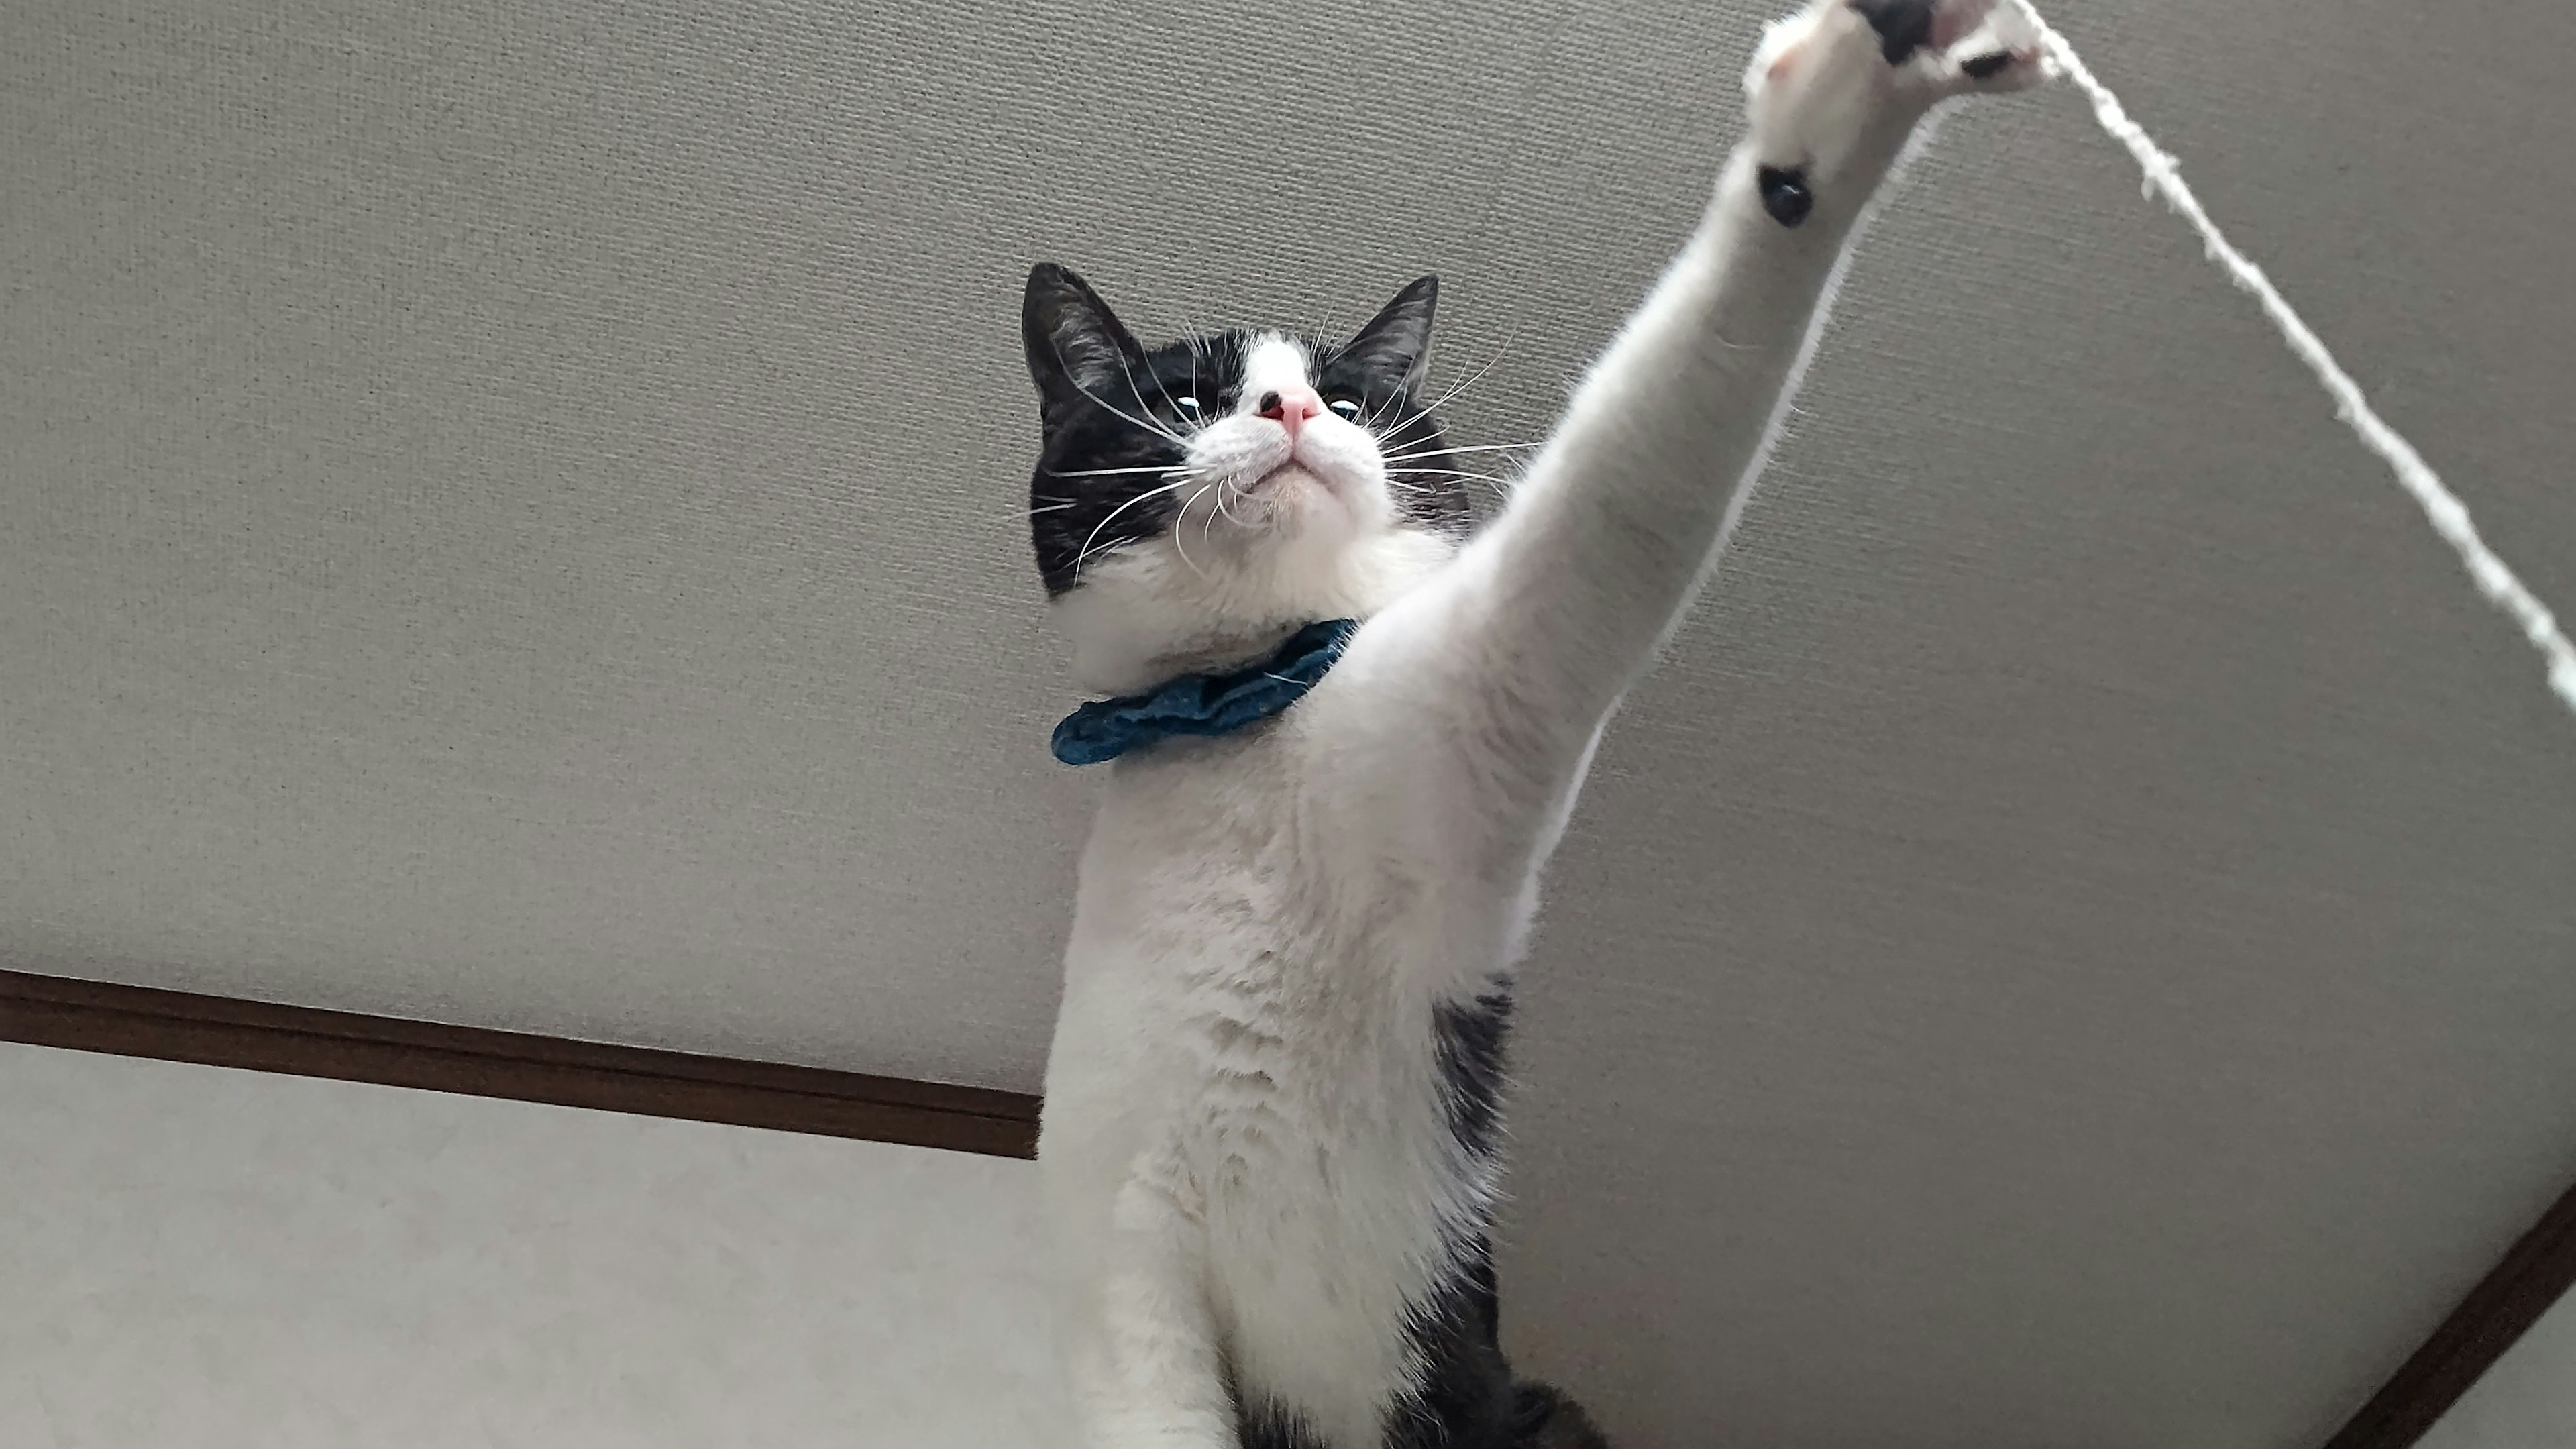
1212 593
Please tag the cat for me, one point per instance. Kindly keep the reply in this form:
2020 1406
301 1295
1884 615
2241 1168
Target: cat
1270 1148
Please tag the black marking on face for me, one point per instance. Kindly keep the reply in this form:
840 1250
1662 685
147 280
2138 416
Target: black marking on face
1377 379
1785 193
1903 26
1117 415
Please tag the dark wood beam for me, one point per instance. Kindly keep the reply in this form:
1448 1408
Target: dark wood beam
2534 1273
182 1026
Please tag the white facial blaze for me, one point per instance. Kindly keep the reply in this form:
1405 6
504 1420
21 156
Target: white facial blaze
1273 363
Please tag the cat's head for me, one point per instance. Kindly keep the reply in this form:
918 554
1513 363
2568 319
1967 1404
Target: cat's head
1195 502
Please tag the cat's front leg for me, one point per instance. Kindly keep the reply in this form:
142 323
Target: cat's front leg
1504 667
1139 1342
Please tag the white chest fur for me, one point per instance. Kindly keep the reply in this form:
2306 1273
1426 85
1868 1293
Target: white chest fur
1247 1066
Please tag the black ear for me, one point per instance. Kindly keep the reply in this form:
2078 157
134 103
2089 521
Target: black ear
1075 343
1395 346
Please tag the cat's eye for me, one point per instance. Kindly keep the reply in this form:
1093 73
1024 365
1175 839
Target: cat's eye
1347 407
1187 405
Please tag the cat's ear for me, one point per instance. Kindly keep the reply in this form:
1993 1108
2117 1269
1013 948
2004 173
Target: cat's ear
1395 346
1074 342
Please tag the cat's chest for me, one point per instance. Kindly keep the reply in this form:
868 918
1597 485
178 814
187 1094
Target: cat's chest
1269 944
1247 845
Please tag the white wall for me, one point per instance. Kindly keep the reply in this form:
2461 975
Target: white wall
2527 1401
193 1258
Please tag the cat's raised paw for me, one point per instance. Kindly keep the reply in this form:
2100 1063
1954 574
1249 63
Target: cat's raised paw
1964 44
1902 25
1847 79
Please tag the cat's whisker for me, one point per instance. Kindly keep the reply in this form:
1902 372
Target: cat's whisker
1186 505
1083 555
1400 469
1140 392
1224 502
1470 448
1107 472
1472 379
1207 525
1107 406
1501 486
1021 519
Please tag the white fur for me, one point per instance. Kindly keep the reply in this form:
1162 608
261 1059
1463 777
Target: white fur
1244 1150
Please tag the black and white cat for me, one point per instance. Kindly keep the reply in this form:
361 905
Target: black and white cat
1270 1149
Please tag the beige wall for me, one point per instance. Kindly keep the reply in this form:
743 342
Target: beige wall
507 516
193 1258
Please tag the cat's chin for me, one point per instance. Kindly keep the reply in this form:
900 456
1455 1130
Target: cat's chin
1147 612
1294 486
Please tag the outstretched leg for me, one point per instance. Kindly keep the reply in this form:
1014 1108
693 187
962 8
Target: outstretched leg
1507 664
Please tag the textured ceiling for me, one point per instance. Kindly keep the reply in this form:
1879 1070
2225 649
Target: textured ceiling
508 515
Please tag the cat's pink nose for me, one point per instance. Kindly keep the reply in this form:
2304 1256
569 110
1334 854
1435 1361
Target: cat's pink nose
1290 407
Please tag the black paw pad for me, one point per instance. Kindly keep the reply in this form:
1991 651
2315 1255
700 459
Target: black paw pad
1785 194
1903 26
1987 67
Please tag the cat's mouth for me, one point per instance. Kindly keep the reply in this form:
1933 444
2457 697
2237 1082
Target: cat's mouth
1285 477
1294 490
1293 478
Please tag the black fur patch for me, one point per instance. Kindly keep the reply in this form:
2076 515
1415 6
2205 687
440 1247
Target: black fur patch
1468 1398
1987 67
1903 26
1269 1427
1106 403
1785 193
1382 367
1468 1038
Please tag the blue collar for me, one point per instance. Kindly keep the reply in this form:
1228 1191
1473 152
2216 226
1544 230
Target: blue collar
1204 704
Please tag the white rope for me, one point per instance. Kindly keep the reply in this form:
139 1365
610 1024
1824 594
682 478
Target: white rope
2443 509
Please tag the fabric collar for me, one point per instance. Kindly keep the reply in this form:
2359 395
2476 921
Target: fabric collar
1204 704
